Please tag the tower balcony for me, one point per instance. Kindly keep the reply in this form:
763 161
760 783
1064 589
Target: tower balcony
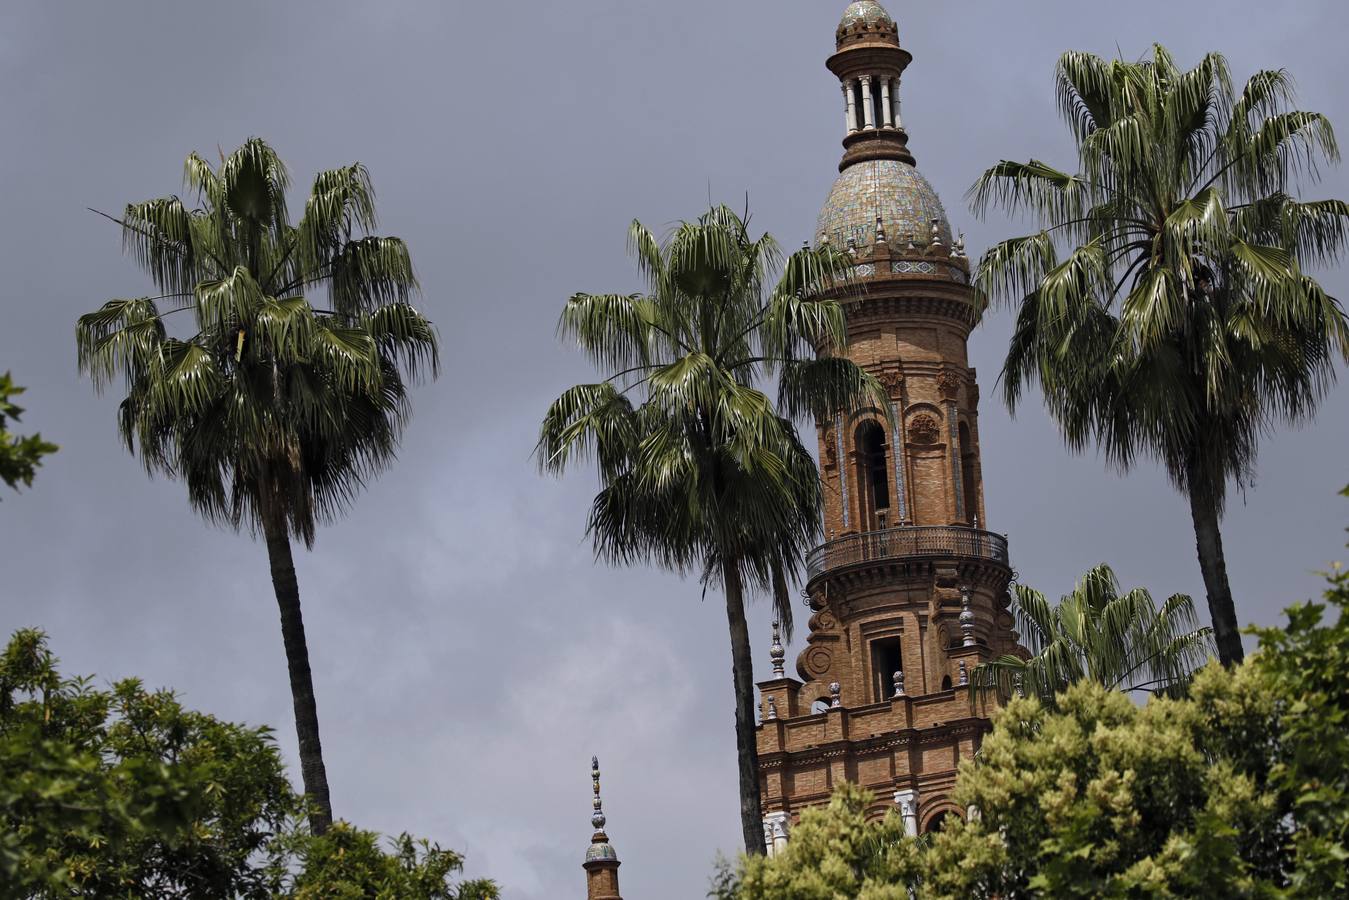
909 542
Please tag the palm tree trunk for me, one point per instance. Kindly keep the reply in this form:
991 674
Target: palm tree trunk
742 671
301 681
1209 543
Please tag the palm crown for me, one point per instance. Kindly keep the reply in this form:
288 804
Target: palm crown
1122 640
1163 306
700 466
270 405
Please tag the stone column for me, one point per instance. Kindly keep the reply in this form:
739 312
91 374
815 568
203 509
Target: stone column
850 108
775 827
870 122
907 801
894 99
887 119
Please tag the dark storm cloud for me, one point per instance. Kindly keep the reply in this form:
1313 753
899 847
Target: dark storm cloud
468 655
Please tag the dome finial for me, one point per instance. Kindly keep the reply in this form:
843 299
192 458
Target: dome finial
776 651
597 817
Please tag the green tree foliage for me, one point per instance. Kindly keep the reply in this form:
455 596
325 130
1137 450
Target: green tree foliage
348 864
124 793
1121 640
272 410
1306 664
700 469
1103 798
833 852
1163 307
19 455
1240 788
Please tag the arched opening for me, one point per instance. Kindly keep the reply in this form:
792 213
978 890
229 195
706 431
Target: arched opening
968 485
886 660
819 706
946 682
859 115
937 822
876 102
873 488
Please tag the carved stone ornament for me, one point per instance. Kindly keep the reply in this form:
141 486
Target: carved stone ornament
924 429
949 382
830 447
817 660
892 382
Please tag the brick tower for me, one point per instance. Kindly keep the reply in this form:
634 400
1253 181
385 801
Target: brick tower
908 593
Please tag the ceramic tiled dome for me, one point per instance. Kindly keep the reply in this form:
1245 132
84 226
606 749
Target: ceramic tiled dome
896 191
866 17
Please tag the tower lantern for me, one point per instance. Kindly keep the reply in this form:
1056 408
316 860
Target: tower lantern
909 592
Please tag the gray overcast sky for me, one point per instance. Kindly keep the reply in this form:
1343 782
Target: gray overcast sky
468 655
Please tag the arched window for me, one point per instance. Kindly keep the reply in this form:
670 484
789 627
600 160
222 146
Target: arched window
946 682
873 475
968 486
819 706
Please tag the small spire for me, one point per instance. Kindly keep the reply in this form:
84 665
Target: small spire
912 247
960 246
899 683
964 673
824 239
776 652
880 230
596 818
966 618
852 246
935 245
835 695
772 712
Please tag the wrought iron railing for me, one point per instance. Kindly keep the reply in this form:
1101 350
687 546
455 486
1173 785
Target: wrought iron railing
907 541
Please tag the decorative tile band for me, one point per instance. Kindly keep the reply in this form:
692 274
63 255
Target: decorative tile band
898 444
955 461
842 469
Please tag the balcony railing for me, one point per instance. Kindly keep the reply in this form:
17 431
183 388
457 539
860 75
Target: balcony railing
905 542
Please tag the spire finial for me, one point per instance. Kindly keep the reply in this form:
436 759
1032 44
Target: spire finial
966 618
835 695
772 712
776 652
880 230
964 673
597 817
899 683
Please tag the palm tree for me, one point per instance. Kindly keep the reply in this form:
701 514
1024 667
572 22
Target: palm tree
1122 641
700 469
272 411
1179 324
